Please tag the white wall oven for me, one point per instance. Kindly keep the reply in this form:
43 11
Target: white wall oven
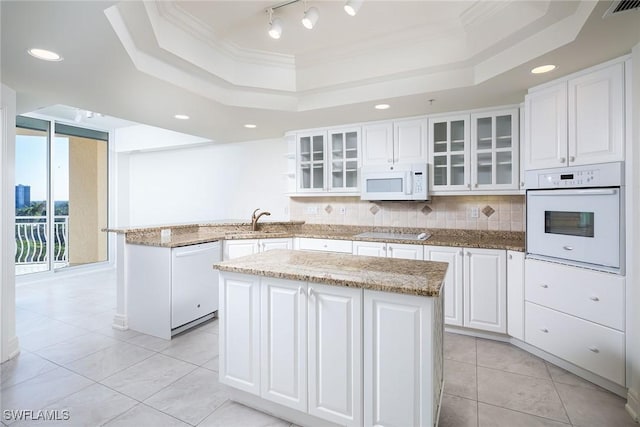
575 216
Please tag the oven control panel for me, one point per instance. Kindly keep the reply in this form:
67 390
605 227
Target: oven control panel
602 175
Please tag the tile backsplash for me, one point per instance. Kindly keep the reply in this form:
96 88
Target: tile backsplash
506 213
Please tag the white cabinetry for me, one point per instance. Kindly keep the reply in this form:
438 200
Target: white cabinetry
449 153
283 352
576 121
242 247
328 160
293 343
577 315
181 282
515 294
388 250
485 290
402 372
335 353
453 282
494 150
401 141
322 245
240 332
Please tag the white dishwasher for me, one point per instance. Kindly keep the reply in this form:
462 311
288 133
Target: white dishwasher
194 283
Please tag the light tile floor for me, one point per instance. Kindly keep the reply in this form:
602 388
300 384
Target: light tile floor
72 359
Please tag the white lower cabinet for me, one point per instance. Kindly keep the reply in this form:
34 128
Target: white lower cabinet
485 290
515 294
402 342
242 247
283 344
475 287
293 343
322 245
577 314
453 282
335 353
388 250
239 327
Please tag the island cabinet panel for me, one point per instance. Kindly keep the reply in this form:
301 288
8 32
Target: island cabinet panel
284 342
239 314
402 359
335 353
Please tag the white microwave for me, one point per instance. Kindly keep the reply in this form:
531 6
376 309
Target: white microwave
405 181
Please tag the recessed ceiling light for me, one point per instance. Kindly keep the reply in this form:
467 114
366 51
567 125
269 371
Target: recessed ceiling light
543 69
181 117
382 106
45 55
250 126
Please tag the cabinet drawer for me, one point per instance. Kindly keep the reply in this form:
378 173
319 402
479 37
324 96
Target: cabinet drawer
325 245
591 295
593 347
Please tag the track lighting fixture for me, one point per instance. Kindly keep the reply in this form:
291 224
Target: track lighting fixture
310 18
275 26
352 7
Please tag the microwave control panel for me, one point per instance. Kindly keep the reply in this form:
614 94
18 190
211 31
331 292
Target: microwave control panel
602 175
419 184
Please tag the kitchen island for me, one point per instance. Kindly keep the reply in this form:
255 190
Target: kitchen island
333 339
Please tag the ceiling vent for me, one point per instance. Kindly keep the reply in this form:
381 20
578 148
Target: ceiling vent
619 6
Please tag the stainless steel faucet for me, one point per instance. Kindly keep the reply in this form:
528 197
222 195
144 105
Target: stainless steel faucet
255 218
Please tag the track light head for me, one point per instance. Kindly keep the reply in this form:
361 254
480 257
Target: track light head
310 18
352 7
275 28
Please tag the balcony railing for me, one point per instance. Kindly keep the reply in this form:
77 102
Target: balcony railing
32 240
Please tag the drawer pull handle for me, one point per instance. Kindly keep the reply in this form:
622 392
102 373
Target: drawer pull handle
544 286
567 248
594 299
594 349
545 330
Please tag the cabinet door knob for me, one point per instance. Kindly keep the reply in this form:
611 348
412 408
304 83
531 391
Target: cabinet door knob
510 256
468 185
545 330
300 290
476 185
522 184
594 298
544 286
562 160
310 291
594 349
572 158
198 305
469 254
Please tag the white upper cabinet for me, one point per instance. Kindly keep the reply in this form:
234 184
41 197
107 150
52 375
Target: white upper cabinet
596 116
312 161
343 159
449 153
328 160
576 121
494 150
400 141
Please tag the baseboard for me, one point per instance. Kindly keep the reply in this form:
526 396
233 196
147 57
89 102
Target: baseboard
120 322
12 349
633 405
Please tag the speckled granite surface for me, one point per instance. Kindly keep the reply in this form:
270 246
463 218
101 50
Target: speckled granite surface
190 234
422 278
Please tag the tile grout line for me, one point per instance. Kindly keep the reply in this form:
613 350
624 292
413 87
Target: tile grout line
564 406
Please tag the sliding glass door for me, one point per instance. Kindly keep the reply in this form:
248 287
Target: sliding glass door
61 196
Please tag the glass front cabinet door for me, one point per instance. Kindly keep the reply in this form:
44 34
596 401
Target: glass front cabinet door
494 150
343 159
312 161
449 153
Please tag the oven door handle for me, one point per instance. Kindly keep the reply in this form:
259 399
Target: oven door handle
575 192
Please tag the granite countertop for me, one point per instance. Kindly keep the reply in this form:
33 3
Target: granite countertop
421 278
191 234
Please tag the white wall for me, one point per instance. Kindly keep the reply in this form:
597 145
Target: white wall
204 183
633 269
8 340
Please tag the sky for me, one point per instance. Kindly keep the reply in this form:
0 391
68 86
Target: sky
31 166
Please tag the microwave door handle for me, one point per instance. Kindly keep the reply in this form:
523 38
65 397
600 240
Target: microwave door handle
409 180
576 192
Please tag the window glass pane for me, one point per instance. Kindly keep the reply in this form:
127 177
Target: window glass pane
569 223
31 192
